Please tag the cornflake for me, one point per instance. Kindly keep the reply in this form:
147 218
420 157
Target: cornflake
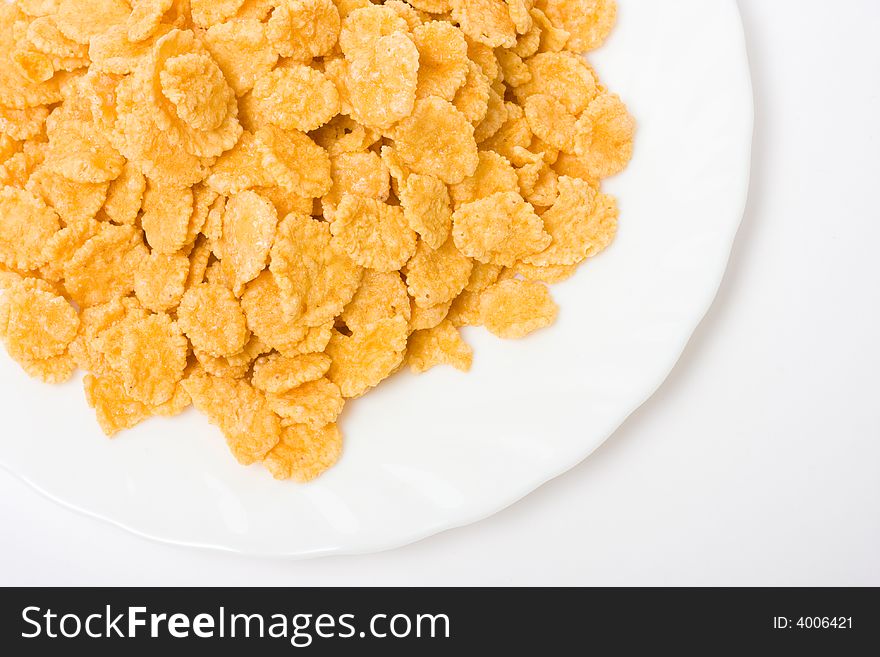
264 208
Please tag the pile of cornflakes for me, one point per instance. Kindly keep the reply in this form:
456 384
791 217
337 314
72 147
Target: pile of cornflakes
263 208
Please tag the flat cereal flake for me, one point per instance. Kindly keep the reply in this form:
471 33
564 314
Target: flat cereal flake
154 355
513 308
437 140
295 162
252 430
494 173
296 98
426 207
35 323
278 374
441 345
303 29
380 296
213 320
27 224
125 196
167 212
303 453
372 233
587 21
486 21
315 403
249 225
206 13
604 139
499 229
365 358
436 276
160 281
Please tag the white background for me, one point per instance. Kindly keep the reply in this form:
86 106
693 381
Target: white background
757 462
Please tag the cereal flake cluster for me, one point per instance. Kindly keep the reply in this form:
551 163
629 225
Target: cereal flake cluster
264 208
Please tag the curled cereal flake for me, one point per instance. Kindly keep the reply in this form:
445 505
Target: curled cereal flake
304 453
272 315
345 135
315 403
63 244
22 124
437 140
125 195
167 211
538 184
493 174
381 80
204 199
529 43
243 52
413 17
112 52
575 167
75 202
380 296
206 13
435 276
553 38
81 24
514 70
581 223
79 152
443 61
550 274
513 133
362 27
35 323
45 37
361 174
587 21
550 121
57 369
372 233
519 14
364 359
562 75
278 374
314 342
311 272
484 57
154 357
486 21
139 139
248 232
296 98
514 308
235 366
160 281
213 320
256 10
427 318
482 276
196 86
103 268
295 162
496 116
426 207
303 29
145 17
241 167
472 99
604 139
441 345
499 229
252 430
26 223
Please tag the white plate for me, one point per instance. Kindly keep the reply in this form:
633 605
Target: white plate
444 449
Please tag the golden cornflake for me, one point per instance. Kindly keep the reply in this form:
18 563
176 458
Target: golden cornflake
373 234
514 308
278 374
436 276
296 98
315 403
441 345
213 320
248 232
304 453
425 201
160 281
27 224
499 229
365 358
